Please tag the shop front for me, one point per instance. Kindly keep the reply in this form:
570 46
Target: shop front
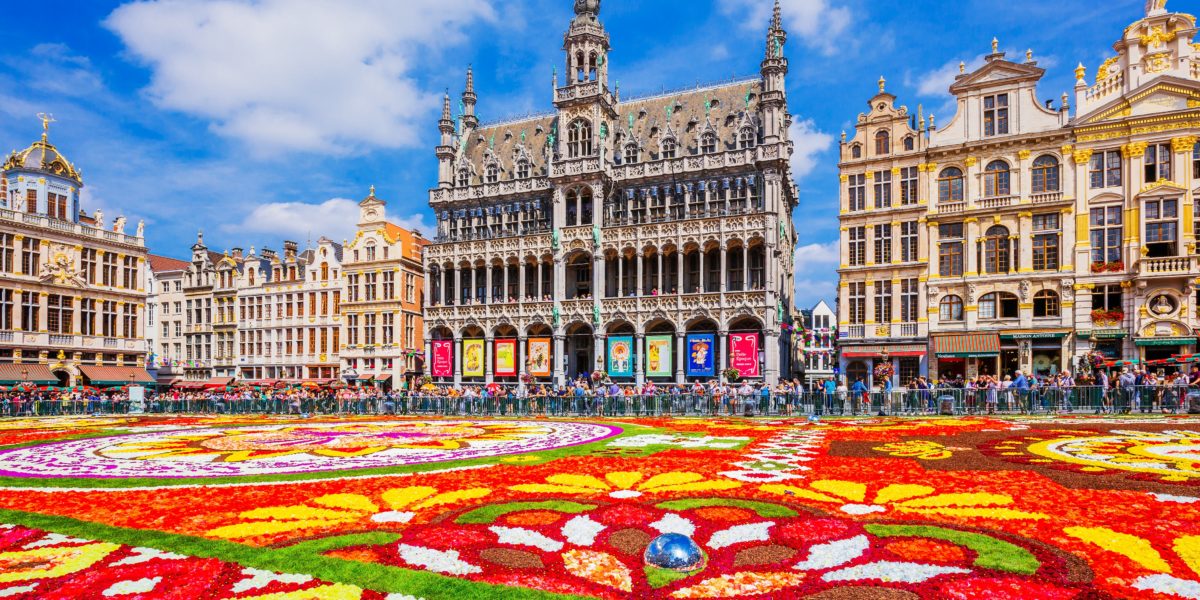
1041 352
964 356
907 362
1109 342
1163 349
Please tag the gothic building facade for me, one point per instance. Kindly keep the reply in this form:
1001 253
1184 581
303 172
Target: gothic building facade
72 295
647 238
1020 236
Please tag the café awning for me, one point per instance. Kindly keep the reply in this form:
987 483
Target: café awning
877 350
1165 341
11 374
110 376
969 345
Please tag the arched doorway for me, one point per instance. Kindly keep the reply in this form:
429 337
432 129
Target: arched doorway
581 359
620 353
474 354
702 352
441 354
661 352
539 352
505 365
746 348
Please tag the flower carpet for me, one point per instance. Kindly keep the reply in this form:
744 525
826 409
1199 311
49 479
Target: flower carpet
402 508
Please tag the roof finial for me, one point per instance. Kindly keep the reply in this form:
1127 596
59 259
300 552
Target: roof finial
200 237
1029 55
371 194
882 83
470 80
1154 7
47 119
1080 72
995 45
446 106
962 67
776 17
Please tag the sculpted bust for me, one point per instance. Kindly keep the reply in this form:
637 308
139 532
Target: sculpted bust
587 6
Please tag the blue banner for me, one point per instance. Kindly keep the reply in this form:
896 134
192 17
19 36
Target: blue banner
620 356
701 355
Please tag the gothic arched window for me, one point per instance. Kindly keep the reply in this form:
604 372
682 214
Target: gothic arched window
708 143
668 148
746 138
579 139
1045 174
997 179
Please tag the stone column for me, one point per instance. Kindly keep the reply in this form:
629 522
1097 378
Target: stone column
521 367
724 276
680 356
679 270
598 277
428 285
723 344
489 353
458 285
640 288
487 278
1024 242
428 355
457 359
658 282
971 249
560 348
746 267
597 352
639 375
700 279
521 268
18 317
771 351
620 276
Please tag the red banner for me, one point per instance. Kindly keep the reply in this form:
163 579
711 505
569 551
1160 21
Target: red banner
443 358
743 353
506 358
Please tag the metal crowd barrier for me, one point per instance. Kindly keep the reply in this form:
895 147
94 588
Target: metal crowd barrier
940 401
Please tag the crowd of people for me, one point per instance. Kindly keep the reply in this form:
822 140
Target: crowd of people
1126 391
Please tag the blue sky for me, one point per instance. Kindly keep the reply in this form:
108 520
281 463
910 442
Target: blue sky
264 120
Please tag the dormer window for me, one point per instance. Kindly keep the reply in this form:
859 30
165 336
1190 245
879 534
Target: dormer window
708 143
883 143
668 148
523 169
909 143
631 154
995 115
855 151
492 173
746 138
464 177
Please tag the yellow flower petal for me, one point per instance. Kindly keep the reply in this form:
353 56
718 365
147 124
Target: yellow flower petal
586 481
976 512
452 497
1132 547
963 499
355 502
242 530
297 513
624 479
545 488
789 490
673 478
335 591
1188 548
699 486
400 498
901 491
850 490
48 563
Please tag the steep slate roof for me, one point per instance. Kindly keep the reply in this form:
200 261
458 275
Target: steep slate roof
507 136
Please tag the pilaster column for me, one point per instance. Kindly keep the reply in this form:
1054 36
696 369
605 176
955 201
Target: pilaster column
427 284
723 344
597 352
971 260
521 366
1024 242
489 353
680 356
457 359
771 351
639 375
428 355
559 351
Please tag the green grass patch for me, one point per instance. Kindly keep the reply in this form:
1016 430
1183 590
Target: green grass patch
992 553
489 514
762 509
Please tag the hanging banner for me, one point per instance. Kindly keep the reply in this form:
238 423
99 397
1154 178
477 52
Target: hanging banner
443 358
700 357
620 356
539 355
472 358
658 356
506 358
743 353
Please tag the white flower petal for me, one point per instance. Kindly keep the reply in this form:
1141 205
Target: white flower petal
890 571
137 586
17 590
673 523
582 530
257 579
439 561
753 532
1174 498
862 509
1167 584
623 494
518 536
54 539
392 516
834 554
141 555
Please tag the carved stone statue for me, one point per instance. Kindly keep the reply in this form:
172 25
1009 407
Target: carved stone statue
119 224
587 6
99 218
1025 290
141 229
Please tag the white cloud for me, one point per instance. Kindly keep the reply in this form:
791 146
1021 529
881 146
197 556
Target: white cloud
819 23
336 218
807 143
311 75
816 273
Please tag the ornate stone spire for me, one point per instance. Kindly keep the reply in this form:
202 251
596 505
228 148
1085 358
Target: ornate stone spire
777 18
587 7
446 107
468 101
470 80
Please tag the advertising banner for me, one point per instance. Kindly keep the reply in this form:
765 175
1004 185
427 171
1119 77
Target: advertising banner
539 356
473 356
506 358
700 355
743 353
620 356
443 358
658 356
